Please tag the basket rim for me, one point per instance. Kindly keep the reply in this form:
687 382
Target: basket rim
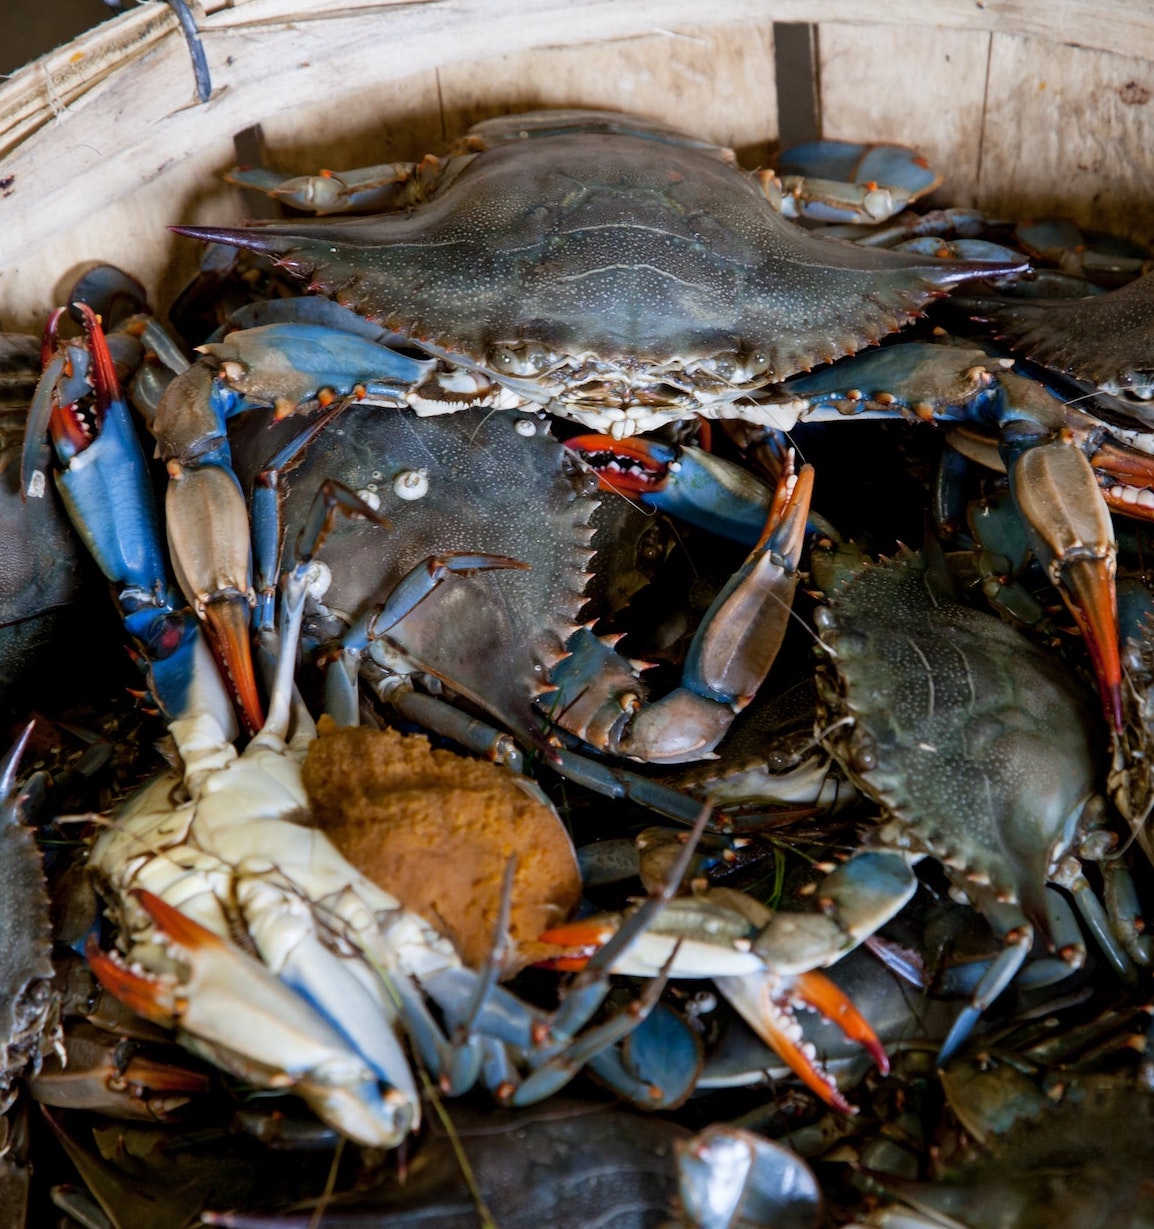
42 90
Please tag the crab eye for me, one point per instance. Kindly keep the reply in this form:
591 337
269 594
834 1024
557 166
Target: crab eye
739 366
863 753
725 366
526 359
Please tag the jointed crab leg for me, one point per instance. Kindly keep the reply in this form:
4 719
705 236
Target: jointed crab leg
417 584
761 995
764 962
208 522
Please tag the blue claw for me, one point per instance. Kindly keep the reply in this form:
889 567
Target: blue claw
106 490
685 482
294 362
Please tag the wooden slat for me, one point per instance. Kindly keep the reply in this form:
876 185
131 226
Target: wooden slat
42 91
931 95
1122 26
716 81
1071 134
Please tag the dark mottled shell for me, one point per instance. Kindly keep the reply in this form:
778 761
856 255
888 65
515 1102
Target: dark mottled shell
981 741
491 489
41 568
626 244
1105 339
25 951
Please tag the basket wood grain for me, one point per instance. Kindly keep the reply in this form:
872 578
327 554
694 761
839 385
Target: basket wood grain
1028 106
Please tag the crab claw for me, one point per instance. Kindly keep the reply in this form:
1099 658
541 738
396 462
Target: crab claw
234 1012
698 926
686 482
766 1003
1126 476
595 698
1056 491
208 527
743 629
227 618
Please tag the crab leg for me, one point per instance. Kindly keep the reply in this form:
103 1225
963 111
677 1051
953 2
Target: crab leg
762 996
291 1044
765 963
766 1004
391 185
1017 932
283 364
841 181
417 584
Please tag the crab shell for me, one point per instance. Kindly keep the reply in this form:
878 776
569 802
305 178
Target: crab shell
603 260
1103 339
978 744
27 1005
502 486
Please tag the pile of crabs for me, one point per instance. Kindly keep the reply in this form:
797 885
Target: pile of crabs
643 680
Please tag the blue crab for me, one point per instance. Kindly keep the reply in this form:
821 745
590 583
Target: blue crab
978 747
40 563
507 638
606 267
596 265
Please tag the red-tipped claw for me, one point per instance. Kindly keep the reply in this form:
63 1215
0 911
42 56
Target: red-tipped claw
764 1003
1057 492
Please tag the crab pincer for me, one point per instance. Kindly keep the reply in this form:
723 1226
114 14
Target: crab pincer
734 647
105 486
721 950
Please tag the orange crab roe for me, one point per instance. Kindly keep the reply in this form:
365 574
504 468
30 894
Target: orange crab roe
437 830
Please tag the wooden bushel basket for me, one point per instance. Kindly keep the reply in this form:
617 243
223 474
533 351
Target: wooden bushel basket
1028 107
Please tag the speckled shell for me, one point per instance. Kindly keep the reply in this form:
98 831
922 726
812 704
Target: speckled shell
1104 339
981 742
493 635
621 242
41 568
25 951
